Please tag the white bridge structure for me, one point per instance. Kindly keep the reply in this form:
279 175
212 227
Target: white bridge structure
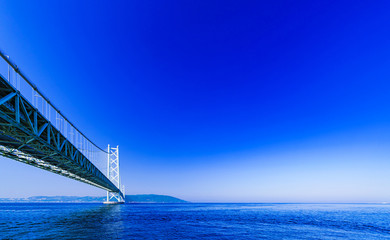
35 132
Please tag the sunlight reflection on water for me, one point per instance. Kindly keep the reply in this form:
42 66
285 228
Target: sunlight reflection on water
194 221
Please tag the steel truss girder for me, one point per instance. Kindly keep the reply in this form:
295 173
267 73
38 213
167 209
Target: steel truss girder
27 136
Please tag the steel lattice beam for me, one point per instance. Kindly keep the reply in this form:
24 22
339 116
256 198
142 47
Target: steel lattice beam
27 136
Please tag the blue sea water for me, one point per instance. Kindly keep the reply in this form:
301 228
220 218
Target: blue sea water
194 221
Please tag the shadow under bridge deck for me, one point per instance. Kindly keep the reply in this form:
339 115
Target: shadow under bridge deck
27 136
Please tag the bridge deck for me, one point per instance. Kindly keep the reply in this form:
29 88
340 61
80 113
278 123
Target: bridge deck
27 136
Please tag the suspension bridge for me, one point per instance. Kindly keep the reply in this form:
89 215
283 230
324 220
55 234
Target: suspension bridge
35 132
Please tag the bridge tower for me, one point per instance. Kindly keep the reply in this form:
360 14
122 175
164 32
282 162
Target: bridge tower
113 176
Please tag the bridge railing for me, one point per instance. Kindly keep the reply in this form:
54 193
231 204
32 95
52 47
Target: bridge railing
19 81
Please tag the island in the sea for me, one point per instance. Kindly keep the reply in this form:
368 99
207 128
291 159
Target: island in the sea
140 198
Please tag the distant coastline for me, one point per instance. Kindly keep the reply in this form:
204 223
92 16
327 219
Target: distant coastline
139 198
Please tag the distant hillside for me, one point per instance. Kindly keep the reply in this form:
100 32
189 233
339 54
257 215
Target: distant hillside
152 198
142 198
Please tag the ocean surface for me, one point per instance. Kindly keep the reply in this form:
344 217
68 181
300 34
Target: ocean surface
194 221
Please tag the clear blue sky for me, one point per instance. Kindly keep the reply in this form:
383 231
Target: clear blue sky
265 101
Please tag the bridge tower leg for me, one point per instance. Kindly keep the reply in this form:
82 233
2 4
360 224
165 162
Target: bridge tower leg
113 176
